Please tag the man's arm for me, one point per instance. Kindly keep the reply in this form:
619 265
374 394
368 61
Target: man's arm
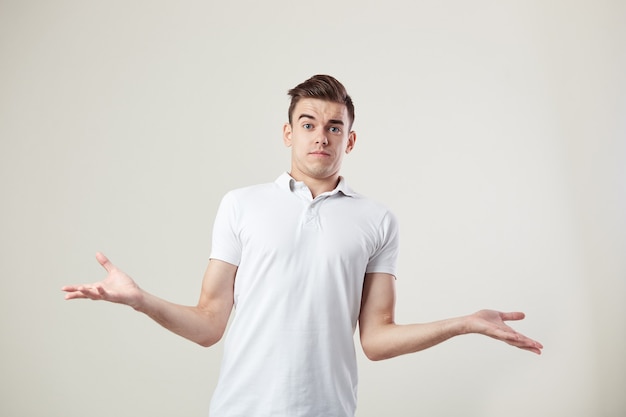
382 338
204 323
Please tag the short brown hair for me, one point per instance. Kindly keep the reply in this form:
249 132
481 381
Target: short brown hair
323 87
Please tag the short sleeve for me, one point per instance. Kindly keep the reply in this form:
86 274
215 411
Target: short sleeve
226 242
385 258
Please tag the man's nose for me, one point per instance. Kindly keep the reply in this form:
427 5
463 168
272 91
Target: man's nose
321 138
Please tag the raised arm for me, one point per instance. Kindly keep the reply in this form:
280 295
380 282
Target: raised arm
382 338
203 323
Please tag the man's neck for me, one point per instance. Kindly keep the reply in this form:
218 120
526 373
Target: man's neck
319 186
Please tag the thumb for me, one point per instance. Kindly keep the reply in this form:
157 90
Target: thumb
518 315
104 261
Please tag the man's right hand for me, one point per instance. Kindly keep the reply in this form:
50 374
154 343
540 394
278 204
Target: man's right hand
204 323
117 287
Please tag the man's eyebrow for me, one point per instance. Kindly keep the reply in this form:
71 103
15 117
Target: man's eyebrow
306 116
331 121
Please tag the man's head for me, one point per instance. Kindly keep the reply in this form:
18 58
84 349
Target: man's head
323 87
319 131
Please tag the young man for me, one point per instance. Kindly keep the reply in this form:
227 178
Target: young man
302 260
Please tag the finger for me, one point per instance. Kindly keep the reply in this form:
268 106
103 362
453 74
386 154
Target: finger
532 349
524 342
530 345
516 315
104 261
507 335
82 293
74 295
76 288
91 292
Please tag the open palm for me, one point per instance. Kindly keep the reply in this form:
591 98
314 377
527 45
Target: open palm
117 287
492 323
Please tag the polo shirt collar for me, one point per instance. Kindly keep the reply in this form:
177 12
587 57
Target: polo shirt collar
287 182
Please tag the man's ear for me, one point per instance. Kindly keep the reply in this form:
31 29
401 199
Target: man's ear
287 134
351 141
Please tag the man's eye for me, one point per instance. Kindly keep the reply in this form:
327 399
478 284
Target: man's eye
307 126
335 129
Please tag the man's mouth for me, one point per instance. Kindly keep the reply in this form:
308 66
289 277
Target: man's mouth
319 153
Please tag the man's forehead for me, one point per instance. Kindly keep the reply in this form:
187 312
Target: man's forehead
321 108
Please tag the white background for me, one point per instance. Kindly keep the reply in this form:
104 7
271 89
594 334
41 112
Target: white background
495 130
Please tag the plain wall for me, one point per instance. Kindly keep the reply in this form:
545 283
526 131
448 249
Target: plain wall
496 131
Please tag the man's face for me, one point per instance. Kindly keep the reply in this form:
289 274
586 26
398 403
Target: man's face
319 137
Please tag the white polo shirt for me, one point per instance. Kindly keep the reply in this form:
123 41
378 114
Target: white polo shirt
289 351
